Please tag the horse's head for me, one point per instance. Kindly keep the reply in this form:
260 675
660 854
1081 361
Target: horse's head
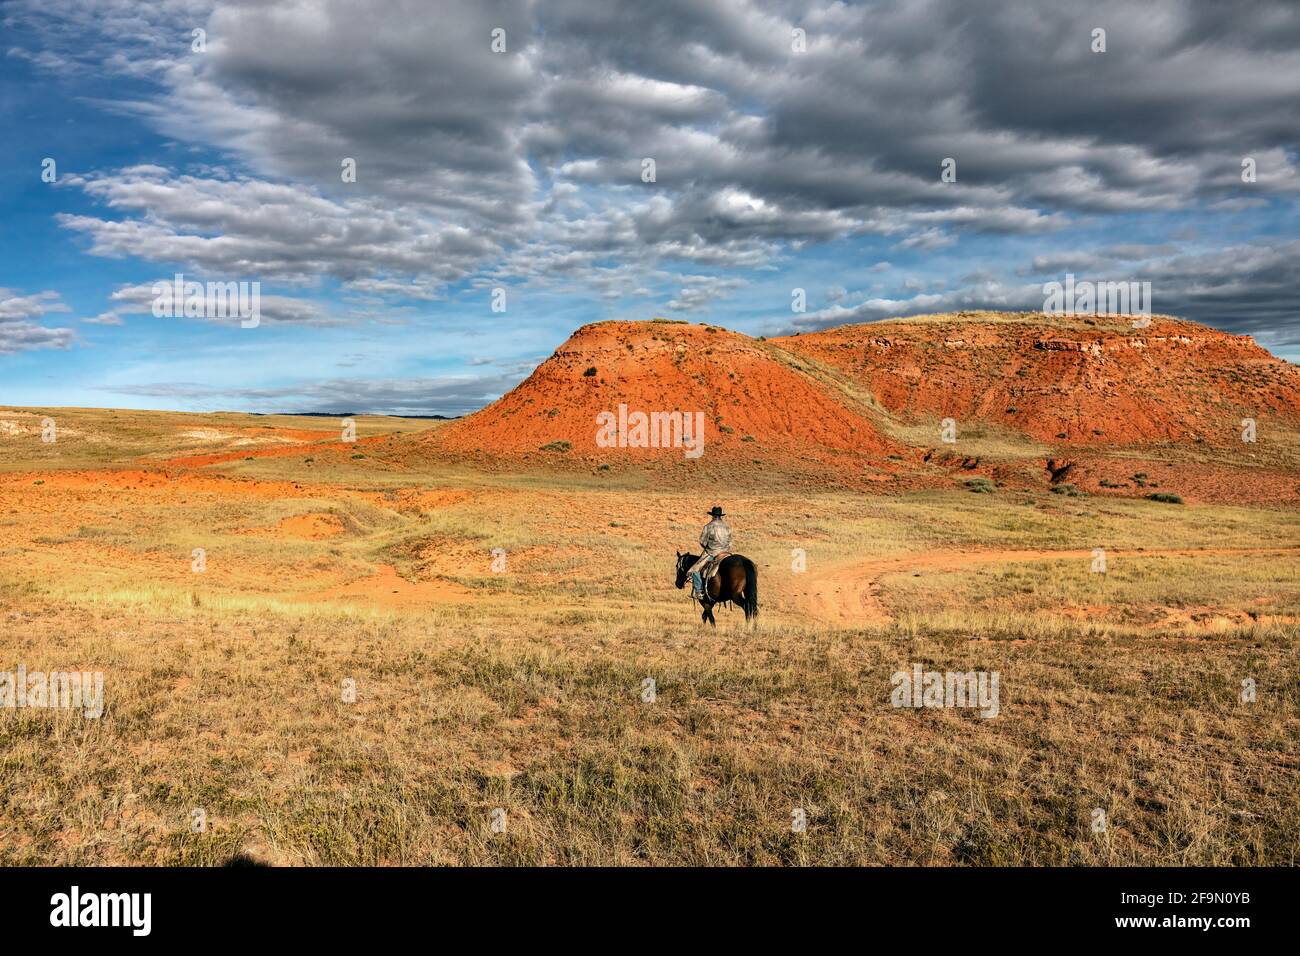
684 561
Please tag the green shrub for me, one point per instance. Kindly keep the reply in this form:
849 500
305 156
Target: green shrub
1167 497
981 486
560 445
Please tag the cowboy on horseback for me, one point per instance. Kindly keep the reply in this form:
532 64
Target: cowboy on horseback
732 578
714 539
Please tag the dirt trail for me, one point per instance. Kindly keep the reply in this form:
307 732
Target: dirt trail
850 594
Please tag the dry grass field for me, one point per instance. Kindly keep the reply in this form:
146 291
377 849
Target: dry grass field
328 567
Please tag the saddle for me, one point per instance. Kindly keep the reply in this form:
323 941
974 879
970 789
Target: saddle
715 562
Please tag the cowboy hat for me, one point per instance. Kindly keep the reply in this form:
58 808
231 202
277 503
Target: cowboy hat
716 512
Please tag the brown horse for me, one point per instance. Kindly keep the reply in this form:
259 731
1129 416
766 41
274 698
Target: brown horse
736 581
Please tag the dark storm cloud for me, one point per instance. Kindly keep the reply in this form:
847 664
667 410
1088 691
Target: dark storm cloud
1015 94
413 92
1183 78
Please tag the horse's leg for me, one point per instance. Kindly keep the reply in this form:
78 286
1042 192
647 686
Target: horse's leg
737 587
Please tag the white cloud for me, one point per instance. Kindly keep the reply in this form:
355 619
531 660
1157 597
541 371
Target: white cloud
18 333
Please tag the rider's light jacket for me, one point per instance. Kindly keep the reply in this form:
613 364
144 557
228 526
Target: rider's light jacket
715 537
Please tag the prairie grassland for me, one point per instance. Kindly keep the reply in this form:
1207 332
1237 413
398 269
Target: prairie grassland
522 688
240 714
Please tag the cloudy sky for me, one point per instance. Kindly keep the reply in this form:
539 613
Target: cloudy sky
795 145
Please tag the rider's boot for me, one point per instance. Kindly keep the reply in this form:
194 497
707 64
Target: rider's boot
697 585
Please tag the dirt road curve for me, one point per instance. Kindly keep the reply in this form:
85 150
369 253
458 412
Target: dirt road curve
850 594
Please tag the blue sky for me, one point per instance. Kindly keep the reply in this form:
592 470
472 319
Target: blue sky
520 169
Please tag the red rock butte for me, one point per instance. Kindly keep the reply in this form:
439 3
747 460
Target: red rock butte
851 391
750 393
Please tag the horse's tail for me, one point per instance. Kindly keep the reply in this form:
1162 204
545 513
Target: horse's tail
751 590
